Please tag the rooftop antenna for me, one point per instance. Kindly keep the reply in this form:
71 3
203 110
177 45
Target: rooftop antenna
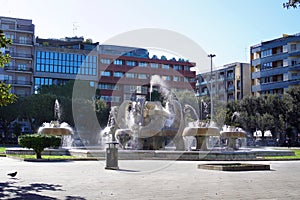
75 27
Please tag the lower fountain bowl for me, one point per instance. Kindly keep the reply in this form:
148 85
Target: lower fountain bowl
55 131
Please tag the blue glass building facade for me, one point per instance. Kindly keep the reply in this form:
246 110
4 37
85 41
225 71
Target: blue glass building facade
56 62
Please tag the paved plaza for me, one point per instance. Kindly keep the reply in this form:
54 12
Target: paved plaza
145 179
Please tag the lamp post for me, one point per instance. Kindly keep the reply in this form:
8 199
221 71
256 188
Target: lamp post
211 96
201 110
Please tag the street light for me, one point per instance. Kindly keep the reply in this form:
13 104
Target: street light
211 97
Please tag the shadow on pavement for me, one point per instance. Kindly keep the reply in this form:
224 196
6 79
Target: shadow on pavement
10 190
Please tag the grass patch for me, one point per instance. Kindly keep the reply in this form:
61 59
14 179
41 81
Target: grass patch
296 156
44 157
2 150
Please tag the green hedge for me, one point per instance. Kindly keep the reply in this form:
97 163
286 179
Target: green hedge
38 142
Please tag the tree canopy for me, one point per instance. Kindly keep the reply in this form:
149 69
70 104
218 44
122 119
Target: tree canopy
291 4
6 97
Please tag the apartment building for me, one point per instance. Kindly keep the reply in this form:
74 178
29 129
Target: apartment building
275 65
227 83
126 72
19 72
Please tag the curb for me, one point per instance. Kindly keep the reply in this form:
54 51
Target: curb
53 160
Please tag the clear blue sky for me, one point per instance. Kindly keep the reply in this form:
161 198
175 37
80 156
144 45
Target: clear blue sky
226 28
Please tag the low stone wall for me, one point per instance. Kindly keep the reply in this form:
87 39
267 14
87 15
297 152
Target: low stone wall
23 151
162 155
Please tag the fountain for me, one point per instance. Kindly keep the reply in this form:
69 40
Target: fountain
148 125
55 127
201 132
232 134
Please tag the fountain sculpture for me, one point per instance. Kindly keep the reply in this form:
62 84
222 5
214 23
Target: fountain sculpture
55 127
149 125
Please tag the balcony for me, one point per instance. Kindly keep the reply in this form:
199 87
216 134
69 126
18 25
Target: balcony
295 53
22 42
18 83
255 62
294 67
18 69
21 55
270 86
18 28
269 72
274 57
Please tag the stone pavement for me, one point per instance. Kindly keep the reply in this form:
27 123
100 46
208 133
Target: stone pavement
145 179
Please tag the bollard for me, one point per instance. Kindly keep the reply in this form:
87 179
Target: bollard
111 156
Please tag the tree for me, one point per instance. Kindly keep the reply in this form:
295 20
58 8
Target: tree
38 142
7 114
291 4
292 102
6 97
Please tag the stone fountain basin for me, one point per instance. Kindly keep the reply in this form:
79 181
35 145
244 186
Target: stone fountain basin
200 131
55 131
234 166
233 134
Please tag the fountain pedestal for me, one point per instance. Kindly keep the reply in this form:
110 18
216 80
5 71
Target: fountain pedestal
201 134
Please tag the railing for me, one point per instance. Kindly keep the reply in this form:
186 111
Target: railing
17 82
28 28
19 69
22 42
20 55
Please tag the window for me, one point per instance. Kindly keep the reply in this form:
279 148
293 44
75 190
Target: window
187 68
293 47
177 67
130 88
105 73
267 65
118 62
105 61
108 86
111 98
176 78
165 66
22 40
130 63
294 62
266 53
10 36
130 75
166 78
143 64
285 62
153 65
67 63
118 74
142 76
21 66
284 49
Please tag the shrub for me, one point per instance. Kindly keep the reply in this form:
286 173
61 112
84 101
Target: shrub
38 142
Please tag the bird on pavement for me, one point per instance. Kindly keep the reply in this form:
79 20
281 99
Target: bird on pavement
12 174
